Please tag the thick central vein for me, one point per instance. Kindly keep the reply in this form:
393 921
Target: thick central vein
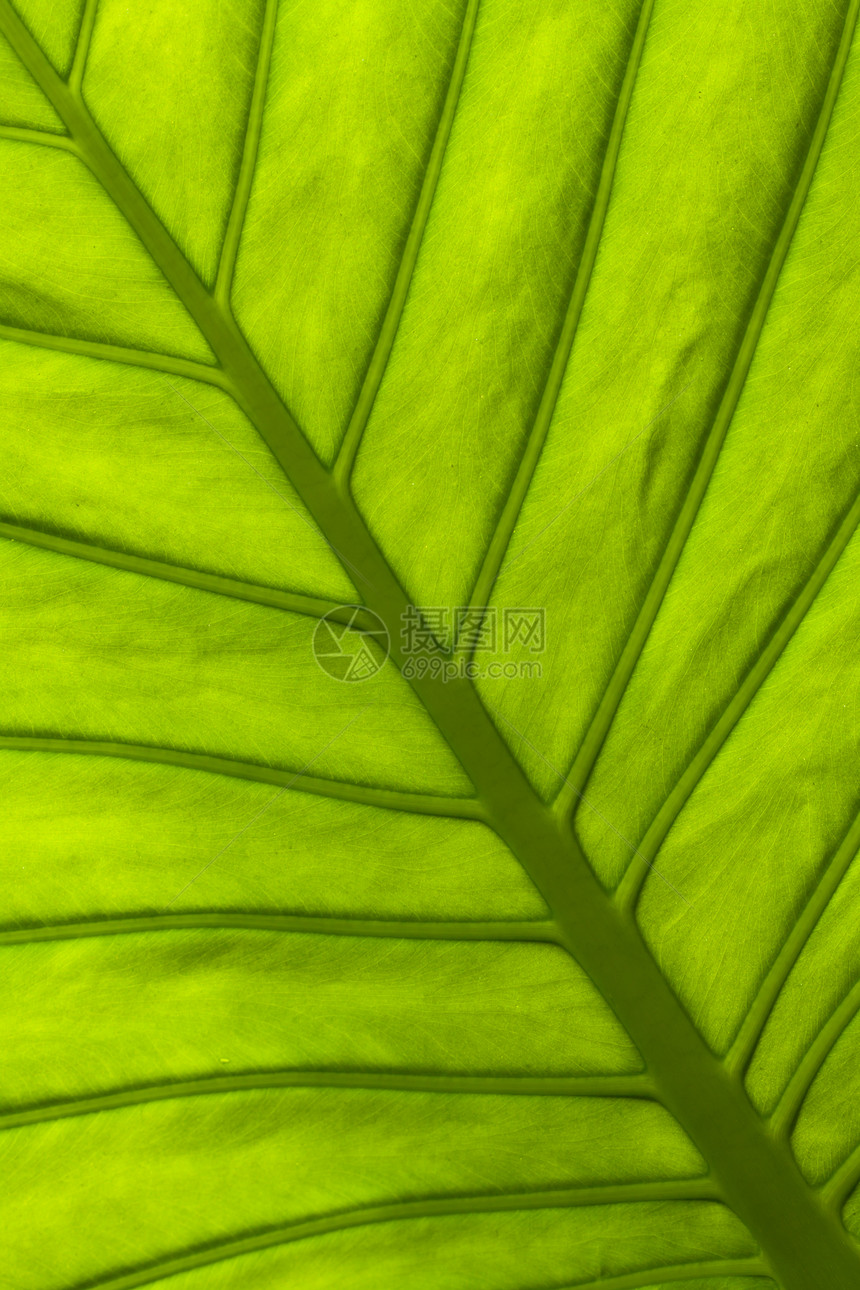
805 1244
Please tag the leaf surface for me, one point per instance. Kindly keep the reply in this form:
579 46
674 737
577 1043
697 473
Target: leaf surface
535 973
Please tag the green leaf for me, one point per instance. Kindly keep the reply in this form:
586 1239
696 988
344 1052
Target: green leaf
341 948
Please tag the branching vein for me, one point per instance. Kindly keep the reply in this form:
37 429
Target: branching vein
646 851
649 1277
754 1023
82 48
609 704
792 1099
235 224
561 1198
385 340
42 138
838 1189
235 588
310 924
389 799
615 1086
513 505
117 353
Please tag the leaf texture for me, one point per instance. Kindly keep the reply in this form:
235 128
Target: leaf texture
528 970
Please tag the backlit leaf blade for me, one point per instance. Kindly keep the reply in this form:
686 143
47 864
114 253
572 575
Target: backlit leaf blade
542 307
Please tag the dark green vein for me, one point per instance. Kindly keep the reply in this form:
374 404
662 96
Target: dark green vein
385 340
838 1189
623 1086
116 353
82 46
646 851
561 1198
609 704
311 924
214 322
513 505
235 224
742 1049
649 1277
42 138
644 1279
243 377
389 799
235 588
786 1113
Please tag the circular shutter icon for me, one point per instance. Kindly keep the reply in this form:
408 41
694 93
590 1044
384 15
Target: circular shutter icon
351 643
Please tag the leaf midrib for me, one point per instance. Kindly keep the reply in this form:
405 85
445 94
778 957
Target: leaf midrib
760 1179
